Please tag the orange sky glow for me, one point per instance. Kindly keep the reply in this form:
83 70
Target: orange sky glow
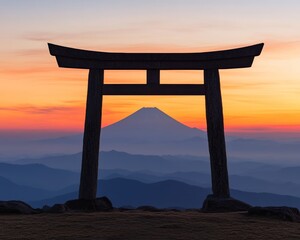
36 94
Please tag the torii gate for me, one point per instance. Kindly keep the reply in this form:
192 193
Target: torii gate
210 62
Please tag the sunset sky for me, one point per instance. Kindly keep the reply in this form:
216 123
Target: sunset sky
36 94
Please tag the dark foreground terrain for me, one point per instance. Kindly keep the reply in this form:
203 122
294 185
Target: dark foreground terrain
145 225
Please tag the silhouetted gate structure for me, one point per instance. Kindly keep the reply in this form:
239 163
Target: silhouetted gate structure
210 62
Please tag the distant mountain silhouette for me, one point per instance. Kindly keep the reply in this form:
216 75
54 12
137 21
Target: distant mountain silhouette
169 193
13 191
288 174
248 176
69 162
38 176
252 177
148 125
122 160
35 181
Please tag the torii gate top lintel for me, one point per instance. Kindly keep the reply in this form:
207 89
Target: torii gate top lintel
225 59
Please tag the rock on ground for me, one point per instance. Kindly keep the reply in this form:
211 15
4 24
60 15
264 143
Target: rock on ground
284 213
216 204
16 207
98 204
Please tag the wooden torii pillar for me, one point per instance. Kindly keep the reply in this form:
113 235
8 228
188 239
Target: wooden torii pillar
210 62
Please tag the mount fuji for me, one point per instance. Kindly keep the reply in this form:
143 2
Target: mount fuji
151 131
149 125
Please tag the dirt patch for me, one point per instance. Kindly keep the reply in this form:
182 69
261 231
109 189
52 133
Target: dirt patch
145 225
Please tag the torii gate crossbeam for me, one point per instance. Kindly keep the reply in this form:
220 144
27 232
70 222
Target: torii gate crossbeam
210 62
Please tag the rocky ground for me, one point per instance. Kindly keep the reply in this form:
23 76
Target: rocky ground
137 224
